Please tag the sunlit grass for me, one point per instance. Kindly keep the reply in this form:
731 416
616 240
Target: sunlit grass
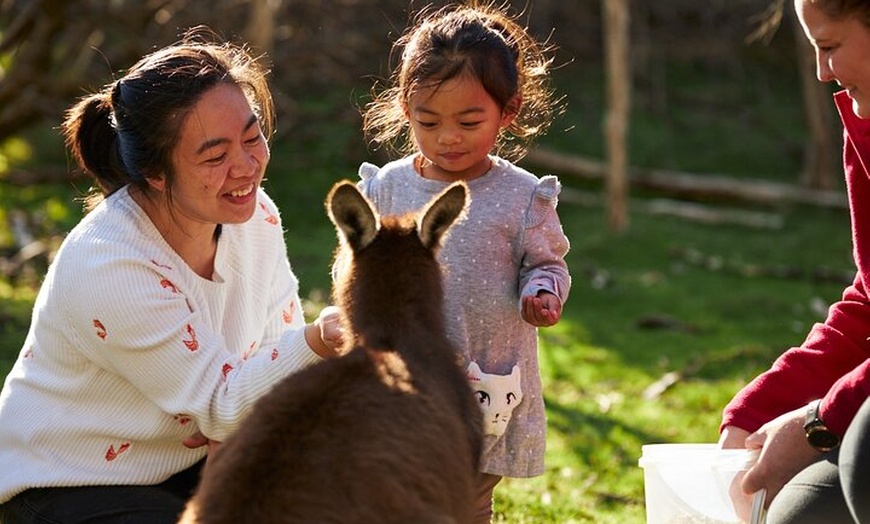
668 296
600 361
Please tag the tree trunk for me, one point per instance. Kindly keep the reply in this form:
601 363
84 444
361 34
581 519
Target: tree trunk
618 63
260 31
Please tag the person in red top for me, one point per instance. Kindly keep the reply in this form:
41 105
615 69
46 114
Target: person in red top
808 414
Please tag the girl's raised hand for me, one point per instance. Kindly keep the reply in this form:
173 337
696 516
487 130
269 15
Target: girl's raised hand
542 310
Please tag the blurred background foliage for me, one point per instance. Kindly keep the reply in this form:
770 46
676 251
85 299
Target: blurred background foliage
666 321
688 58
699 83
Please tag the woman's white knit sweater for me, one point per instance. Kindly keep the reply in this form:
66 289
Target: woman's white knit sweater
129 351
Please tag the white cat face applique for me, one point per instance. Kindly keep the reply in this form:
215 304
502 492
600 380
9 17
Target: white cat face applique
498 395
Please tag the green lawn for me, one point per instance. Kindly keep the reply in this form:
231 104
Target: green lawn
717 327
666 296
715 304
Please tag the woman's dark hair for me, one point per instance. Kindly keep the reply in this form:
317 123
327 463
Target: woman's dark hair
771 19
127 132
476 39
837 9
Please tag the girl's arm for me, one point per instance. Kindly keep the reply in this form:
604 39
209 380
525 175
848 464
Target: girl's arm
544 279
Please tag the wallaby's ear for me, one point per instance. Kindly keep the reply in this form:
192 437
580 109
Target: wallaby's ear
441 213
354 217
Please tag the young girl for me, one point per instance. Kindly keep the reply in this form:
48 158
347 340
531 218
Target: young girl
472 84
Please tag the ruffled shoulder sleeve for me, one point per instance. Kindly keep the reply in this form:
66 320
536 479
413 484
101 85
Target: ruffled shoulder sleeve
368 175
367 171
544 200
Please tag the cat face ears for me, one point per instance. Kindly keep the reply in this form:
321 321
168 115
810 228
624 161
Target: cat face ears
474 374
358 222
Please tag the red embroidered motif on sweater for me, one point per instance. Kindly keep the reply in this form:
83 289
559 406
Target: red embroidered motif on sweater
289 313
112 454
270 217
101 329
191 344
167 284
250 350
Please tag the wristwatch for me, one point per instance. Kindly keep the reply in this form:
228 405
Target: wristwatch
818 434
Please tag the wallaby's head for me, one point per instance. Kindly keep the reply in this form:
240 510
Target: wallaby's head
384 264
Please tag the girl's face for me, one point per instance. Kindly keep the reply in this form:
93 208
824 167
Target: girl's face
455 127
219 161
842 47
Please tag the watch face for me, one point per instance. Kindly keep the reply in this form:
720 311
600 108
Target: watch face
822 439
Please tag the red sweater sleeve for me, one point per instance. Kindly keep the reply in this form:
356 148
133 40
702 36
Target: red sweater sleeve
832 363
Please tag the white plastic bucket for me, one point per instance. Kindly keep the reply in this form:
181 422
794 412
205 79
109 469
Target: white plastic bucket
691 483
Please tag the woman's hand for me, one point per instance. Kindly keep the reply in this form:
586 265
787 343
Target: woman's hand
733 437
542 310
198 440
325 335
784 452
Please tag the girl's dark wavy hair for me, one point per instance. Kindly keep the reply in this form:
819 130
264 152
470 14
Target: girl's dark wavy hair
478 39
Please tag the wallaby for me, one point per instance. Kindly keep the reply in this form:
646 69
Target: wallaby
387 433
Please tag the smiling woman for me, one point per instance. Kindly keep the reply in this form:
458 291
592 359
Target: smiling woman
222 157
168 310
816 395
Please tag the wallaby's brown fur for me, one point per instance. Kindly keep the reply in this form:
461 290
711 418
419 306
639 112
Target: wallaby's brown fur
389 433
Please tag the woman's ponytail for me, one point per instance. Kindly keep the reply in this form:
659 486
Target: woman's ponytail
93 141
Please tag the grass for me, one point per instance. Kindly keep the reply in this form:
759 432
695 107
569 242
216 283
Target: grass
599 360
666 296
